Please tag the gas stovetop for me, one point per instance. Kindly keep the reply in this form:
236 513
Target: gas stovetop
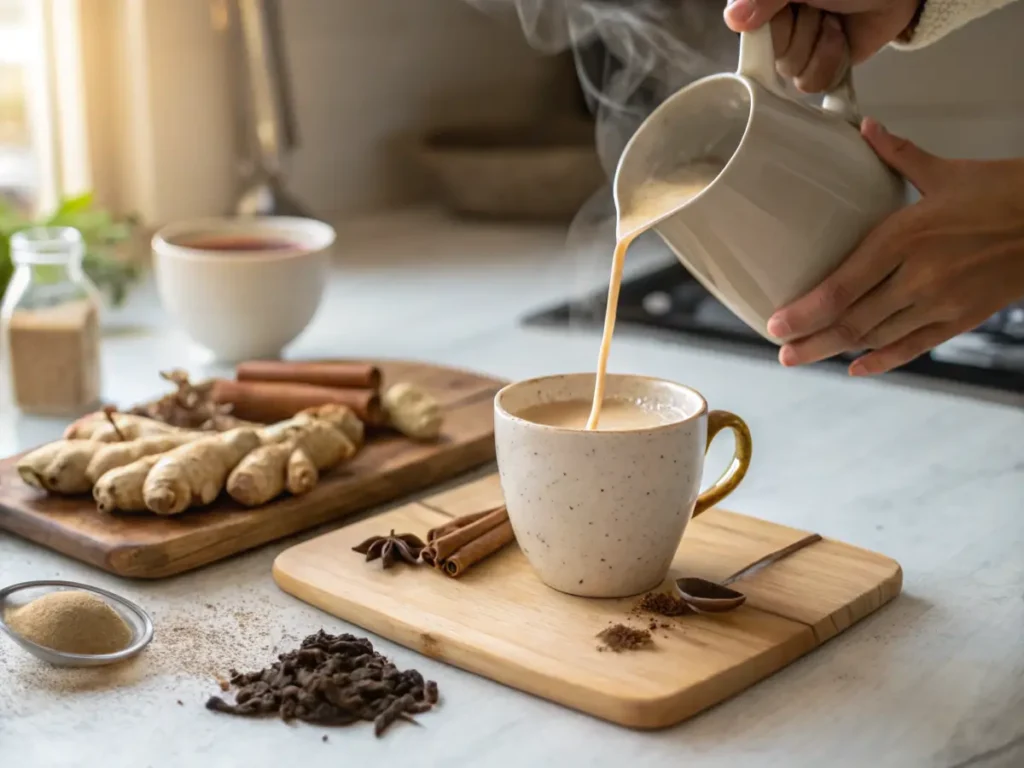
670 299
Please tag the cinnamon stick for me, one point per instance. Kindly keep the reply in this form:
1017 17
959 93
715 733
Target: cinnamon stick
467 540
340 374
478 549
267 402
458 522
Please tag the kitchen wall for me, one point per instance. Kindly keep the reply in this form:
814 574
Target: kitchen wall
368 75
963 96
371 76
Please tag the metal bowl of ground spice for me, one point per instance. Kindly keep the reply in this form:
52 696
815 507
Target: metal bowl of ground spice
68 624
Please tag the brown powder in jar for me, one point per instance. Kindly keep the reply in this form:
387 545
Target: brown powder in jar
71 621
619 637
55 358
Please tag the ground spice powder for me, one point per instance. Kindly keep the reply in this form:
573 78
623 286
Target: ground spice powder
71 621
619 637
663 604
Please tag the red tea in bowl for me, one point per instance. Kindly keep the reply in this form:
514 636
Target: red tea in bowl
238 242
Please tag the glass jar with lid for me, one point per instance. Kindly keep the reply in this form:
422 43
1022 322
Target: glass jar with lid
49 325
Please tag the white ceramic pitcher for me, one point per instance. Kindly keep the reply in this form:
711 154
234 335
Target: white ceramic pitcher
801 188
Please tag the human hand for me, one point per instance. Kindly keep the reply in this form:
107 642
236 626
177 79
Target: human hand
815 40
930 271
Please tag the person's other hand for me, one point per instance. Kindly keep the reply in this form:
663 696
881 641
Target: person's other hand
815 40
930 271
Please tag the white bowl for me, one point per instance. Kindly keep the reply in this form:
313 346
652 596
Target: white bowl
243 304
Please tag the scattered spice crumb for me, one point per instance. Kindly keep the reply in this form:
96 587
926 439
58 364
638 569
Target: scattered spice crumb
619 637
663 604
180 704
187 646
224 684
324 738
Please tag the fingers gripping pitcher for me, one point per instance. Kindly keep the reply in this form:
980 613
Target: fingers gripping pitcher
788 189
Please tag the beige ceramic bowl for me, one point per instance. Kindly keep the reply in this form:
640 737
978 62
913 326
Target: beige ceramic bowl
246 303
542 173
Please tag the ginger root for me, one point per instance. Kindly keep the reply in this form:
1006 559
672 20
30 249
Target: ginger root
412 411
302 475
120 489
73 466
32 466
194 474
59 467
340 417
261 475
293 454
109 456
96 426
324 444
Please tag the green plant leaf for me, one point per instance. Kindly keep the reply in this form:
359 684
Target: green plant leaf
69 206
6 266
90 223
112 275
117 232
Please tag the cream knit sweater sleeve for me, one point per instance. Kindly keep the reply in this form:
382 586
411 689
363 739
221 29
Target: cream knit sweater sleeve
940 17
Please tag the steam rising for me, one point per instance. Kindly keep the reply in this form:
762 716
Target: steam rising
630 54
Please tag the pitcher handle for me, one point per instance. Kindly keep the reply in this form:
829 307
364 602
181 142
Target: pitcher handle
757 62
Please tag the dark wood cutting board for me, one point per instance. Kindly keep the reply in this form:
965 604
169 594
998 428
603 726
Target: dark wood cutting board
150 547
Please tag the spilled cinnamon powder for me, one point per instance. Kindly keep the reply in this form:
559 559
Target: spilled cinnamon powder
663 604
619 637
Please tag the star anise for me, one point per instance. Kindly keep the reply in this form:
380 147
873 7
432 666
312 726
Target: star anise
391 548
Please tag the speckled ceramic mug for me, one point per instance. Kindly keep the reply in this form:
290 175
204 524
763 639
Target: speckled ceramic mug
601 514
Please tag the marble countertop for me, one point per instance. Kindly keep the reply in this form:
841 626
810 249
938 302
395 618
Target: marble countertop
933 479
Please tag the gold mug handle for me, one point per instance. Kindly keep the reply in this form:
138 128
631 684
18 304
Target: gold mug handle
737 469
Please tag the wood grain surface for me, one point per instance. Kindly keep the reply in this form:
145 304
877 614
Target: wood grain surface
500 621
388 467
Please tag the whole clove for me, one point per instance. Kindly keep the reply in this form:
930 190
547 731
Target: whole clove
331 680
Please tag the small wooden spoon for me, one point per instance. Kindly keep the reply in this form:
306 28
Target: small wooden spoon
716 597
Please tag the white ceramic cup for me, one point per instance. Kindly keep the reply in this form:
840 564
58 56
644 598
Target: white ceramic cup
799 191
601 513
243 304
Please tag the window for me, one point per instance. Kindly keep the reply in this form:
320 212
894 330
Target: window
43 131
20 69
129 99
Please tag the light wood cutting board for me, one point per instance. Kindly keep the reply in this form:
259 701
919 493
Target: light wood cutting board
501 622
388 467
